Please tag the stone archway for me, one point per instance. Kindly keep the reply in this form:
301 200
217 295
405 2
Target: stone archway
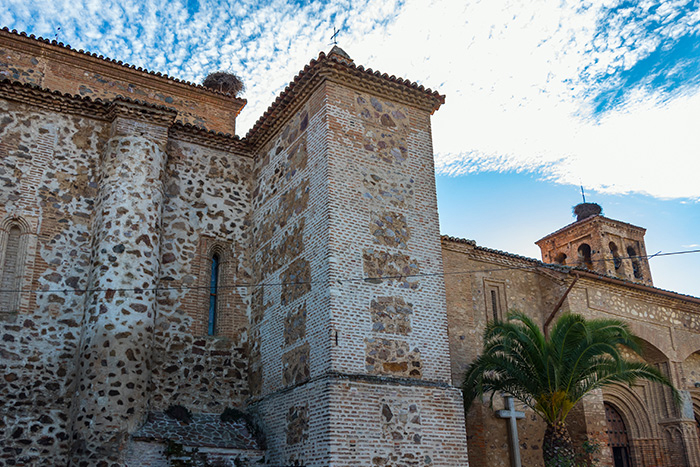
618 440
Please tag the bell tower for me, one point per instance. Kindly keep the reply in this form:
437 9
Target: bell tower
605 246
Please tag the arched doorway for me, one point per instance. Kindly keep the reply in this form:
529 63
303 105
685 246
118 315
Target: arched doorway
617 437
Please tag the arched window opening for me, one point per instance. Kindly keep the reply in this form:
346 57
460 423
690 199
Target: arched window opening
11 271
617 437
615 255
584 255
213 292
635 262
495 306
560 258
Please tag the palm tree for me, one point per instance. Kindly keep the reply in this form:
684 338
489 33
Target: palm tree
551 374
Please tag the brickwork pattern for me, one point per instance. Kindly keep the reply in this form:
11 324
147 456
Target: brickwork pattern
70 72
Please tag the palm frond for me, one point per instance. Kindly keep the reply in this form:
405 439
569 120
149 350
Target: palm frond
550 375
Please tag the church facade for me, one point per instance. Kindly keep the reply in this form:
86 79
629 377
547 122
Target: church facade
170 291
584 272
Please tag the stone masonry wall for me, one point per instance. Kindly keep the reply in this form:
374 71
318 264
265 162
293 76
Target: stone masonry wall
289 337
115 355
206 211
48 178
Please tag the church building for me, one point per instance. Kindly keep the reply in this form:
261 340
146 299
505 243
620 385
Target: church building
173 294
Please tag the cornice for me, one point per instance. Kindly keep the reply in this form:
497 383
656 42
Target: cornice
470 248
211 139
580 225
114 68
336 69
134 110
55 101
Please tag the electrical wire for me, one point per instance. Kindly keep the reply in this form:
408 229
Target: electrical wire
340 281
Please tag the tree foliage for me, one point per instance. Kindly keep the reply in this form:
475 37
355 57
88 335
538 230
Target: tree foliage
550 375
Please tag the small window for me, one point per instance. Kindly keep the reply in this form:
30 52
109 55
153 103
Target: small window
495 300
617 262
213 294
495 305
635 262
560 258
584 256
13 255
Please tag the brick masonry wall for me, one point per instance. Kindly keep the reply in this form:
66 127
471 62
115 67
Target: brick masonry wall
383 227
69 71
289 336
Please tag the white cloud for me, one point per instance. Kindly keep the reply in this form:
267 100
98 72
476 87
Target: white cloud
519 76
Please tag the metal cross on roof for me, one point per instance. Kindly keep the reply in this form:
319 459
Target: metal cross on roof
512 416
334 37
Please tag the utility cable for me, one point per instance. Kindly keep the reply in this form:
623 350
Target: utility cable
340 281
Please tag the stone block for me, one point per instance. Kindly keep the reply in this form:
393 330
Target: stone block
295 365
392 357
391 315
389 229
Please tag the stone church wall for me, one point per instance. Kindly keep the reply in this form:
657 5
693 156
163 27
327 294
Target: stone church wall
206 212
658 430
388 335
48 177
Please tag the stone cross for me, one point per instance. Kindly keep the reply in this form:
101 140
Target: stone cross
513 416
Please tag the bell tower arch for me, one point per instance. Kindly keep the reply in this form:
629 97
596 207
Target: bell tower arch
599 244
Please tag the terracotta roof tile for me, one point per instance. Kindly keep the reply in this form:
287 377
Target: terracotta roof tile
204 430
158 74
305 75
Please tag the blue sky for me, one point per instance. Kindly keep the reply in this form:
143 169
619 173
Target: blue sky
542 96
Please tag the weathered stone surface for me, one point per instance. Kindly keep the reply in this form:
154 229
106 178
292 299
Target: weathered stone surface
391 315
297 424
389 229
380 112
291 203
296 281
272 257
393 268
386 146
401 421
295 365
392 357
387 188
295 325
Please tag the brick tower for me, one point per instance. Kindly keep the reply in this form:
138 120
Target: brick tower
349 349
603 245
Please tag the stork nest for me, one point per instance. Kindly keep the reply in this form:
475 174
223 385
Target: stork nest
586 210
225 82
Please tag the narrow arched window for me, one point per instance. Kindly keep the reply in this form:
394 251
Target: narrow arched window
11 271
635 262
213 292
560 258
584 255
615 255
